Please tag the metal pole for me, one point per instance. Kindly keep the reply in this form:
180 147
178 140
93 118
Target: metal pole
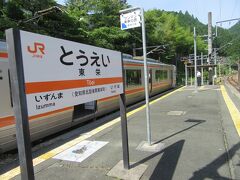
186 75
134 49
219 69
146 78
215 62
202 69
191 76
122 103
195 59
238 78
216 30
20 103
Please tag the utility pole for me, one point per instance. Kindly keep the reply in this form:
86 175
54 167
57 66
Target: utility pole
195 59
209 36
209 45
201 68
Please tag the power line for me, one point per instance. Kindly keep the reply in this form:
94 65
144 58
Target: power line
196 6
234 7
220 10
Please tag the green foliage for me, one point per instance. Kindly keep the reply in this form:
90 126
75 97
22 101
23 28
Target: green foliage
96 13
229 43
167 28
97 22
112 38
5 23
31 7
13 11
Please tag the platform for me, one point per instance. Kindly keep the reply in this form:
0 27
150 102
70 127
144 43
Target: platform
198 130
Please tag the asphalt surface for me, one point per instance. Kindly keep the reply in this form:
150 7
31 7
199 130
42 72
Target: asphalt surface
199 136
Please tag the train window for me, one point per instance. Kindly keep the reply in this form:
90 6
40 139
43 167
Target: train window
166 74
133 77
161 75
171 74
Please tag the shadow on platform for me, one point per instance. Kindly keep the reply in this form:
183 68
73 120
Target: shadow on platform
189 120
211 170
168 162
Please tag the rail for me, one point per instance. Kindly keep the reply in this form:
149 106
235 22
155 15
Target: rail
233 82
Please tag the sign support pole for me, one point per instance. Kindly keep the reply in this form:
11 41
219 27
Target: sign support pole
122 102
146 78
20 103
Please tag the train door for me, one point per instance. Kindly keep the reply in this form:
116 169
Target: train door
85 110
150 80
5 99
174 74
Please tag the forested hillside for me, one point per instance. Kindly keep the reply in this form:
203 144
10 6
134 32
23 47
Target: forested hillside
97 23
228 40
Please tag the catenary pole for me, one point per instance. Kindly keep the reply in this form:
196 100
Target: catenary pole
195 60
146 78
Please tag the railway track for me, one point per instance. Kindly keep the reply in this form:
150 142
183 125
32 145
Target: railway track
233 81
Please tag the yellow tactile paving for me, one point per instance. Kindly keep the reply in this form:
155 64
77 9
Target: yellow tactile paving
235 114
16 171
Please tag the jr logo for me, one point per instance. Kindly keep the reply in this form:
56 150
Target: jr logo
37 50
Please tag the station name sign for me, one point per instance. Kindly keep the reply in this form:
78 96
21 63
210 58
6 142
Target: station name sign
60 73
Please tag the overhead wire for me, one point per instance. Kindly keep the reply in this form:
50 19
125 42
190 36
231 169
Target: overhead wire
234 8
196 7
220 11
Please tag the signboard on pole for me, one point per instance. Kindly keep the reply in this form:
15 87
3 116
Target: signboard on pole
49 74
60 73
130 19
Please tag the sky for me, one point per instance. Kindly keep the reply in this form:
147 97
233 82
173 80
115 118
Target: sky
221 9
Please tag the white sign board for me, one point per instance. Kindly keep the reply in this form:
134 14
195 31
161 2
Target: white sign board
60 73
131 19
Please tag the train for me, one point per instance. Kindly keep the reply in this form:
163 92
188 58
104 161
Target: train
161 78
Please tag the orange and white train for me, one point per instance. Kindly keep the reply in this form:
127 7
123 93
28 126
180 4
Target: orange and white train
161 77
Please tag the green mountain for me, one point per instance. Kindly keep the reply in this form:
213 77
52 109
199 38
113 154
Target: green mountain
98 23
229 42
235 29
188 20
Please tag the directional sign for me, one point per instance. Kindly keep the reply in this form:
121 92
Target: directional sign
130 19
